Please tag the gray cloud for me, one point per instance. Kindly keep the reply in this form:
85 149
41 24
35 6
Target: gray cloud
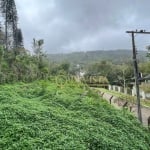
75 25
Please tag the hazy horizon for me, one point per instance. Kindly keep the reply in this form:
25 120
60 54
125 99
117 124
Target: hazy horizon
87 51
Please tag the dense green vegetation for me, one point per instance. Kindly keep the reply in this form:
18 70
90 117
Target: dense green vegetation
116 65
19 65
66 115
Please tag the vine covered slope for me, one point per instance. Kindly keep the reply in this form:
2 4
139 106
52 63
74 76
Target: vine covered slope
45 115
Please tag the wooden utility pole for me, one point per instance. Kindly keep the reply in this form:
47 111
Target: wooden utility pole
6 26
136 72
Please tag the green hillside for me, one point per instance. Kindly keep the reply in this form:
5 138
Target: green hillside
44 115
115 56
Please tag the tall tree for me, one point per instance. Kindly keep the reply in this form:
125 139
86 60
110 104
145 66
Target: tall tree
37 47
9 11
19 39
1 56
2 36
148 49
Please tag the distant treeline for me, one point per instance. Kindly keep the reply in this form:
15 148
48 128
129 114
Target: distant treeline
114 56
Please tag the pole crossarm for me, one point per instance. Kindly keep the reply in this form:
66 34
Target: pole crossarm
139 32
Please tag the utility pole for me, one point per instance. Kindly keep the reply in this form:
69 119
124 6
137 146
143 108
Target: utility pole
6 32
136 71
6 26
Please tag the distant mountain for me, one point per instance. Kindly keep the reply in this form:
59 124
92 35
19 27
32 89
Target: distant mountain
114 56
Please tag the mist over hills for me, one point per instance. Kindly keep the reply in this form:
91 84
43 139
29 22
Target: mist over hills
114 56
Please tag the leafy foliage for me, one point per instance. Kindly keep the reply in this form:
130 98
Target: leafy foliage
19 65
41 115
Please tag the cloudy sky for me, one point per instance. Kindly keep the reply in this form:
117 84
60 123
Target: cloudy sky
81 25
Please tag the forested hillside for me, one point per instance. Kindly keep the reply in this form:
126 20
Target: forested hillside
114 56
115 65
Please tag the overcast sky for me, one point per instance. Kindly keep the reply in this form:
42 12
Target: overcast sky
81 25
